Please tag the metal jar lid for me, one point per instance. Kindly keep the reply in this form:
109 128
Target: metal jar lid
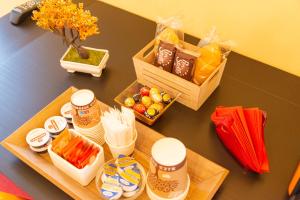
55 124
66 110
37 137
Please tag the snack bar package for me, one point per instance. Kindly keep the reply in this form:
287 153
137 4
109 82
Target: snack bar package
165 56
184 63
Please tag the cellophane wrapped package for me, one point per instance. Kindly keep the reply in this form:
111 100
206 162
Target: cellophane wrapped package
212 52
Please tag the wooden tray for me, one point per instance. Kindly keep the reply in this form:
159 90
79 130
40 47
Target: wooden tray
135 88
206 176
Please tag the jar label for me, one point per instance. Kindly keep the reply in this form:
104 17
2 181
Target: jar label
86 116
167 181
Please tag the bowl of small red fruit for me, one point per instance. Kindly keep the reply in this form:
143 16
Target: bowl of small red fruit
76 155
148 103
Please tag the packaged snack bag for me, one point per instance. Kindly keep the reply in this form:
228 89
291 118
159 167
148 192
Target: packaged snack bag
165 56
202 71
184 63
168 35
210 59
212 52
167 30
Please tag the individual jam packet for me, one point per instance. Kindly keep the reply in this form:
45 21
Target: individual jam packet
165 56
184 64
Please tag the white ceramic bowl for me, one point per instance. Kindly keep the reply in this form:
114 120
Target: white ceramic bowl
153 196
85 175
124 150
80 67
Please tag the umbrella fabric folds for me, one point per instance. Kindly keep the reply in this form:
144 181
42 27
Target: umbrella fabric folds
8 190
242 132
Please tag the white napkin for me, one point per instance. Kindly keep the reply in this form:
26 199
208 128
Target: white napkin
119 126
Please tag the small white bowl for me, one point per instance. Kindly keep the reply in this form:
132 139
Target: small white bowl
124 150
85 175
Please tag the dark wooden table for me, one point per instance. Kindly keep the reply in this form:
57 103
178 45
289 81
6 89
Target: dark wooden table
31 77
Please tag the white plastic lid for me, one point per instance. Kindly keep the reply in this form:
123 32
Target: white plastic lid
55 124
82 97
168 151
41 149
66 110
37 137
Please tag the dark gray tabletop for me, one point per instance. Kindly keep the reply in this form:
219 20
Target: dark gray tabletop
31 77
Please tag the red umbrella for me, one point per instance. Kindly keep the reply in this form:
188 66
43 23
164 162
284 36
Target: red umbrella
242 132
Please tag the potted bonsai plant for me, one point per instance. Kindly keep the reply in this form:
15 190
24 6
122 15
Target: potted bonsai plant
73 24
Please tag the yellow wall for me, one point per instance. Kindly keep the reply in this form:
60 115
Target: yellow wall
266 30
7 5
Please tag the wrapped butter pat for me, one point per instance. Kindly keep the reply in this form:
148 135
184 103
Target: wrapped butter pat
124 162
111 189
110 170
130 179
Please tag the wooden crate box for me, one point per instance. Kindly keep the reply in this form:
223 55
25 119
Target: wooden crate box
191 94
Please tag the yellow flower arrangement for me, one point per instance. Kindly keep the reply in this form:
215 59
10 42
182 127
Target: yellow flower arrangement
67 19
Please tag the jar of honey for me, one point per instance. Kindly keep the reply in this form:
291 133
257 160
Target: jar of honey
167 177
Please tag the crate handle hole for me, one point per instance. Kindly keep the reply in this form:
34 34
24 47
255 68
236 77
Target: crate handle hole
148 50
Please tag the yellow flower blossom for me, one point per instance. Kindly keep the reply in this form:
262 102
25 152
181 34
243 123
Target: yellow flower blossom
55 15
